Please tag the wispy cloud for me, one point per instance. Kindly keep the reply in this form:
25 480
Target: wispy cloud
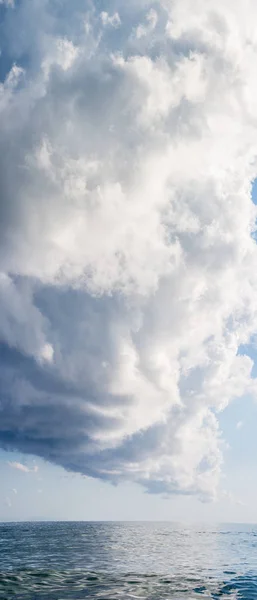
113 20
24 468
232 498
8 2
239 425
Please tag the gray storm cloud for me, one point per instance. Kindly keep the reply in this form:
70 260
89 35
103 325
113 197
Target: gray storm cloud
128 264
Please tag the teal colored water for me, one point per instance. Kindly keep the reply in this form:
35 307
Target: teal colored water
127 561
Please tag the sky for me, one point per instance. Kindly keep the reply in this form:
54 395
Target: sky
128 260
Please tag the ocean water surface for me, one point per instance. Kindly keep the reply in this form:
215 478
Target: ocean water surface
127 560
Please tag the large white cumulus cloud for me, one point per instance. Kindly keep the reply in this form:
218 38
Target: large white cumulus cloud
128 264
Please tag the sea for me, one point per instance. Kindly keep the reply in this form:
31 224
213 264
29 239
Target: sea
114 560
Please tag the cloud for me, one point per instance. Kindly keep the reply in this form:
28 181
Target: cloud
23 468
230 497
8 502
7 2
14 491
239 425
151 22
19 467
113 20
128 256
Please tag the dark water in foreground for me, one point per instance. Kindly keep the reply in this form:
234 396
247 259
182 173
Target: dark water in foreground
127 561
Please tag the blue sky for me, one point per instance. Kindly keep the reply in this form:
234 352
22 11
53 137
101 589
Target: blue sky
128 260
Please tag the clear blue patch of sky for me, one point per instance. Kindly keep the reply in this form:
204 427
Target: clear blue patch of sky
254 191
6 63
242 440
5 60
250 350
17 39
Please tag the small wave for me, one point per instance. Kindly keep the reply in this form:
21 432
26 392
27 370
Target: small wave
28 584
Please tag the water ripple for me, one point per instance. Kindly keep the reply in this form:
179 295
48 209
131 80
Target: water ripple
126 561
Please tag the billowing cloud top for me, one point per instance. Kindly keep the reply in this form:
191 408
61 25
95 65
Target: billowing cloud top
128 264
